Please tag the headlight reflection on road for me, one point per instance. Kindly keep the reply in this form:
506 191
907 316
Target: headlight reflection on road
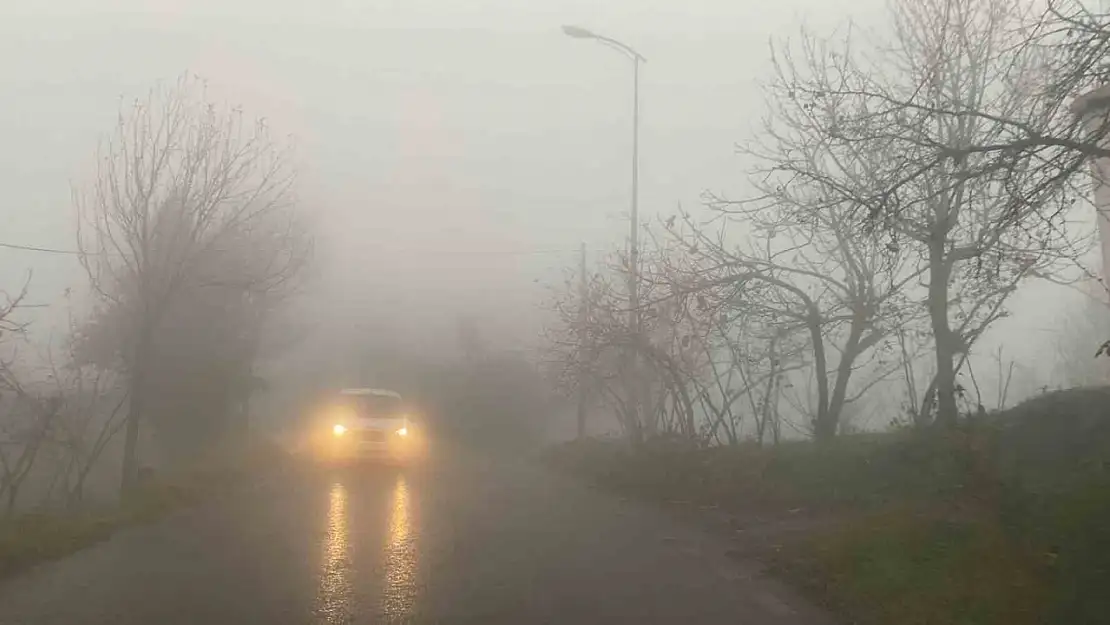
333 598
400 555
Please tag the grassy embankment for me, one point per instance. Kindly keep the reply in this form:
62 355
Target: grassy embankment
28 539
1005 522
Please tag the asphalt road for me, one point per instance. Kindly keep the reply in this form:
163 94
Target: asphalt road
466 539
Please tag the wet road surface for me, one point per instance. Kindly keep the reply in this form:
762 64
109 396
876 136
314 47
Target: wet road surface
465 539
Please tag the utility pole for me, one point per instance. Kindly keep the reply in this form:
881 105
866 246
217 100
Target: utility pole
1091 109
634 232
583 337
639 392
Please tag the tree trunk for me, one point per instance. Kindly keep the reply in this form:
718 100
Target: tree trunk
581 431
940 271
131 438
76 496
824 426
635 431
136 405
826 429
776 420
687 405
764 409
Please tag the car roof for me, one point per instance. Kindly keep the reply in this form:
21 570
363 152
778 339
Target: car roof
380 392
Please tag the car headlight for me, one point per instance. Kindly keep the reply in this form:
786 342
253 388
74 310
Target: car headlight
403 432
339 429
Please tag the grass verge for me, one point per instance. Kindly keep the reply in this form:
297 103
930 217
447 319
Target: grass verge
1003 522
29 539
901 566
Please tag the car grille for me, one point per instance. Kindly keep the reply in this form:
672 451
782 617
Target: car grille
372 436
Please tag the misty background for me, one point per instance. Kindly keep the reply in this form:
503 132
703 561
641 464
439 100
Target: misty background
450 158
830 358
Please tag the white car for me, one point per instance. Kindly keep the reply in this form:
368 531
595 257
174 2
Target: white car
368 424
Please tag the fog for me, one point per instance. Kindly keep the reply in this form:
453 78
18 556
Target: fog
450 159
450 155
338 300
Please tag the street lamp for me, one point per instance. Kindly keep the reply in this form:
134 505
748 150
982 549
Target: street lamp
577 32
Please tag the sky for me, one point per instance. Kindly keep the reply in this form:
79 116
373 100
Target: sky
452 152
454 155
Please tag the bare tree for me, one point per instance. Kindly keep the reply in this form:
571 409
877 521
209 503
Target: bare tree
1029 73
591 339
731 364
588 343
724 331
182 185
883 127
92 418
812 272
30 414
9 303
24 428
91 415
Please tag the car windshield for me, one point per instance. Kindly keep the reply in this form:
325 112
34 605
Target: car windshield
377 405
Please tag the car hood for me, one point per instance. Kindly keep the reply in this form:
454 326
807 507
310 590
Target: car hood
379 423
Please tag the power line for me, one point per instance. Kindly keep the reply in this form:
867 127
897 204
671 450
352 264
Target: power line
490 252
51 250
47 250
